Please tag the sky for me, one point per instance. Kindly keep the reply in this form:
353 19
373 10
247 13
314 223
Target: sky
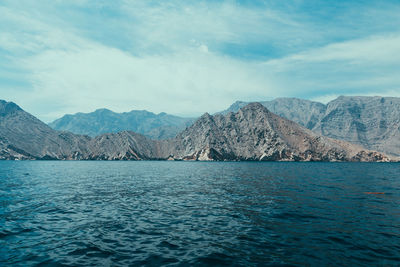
190 57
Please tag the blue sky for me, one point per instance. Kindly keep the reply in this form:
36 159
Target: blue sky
189 57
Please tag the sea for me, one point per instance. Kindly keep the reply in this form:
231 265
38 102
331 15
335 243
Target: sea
163 213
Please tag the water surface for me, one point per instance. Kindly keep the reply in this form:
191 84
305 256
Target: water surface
198 213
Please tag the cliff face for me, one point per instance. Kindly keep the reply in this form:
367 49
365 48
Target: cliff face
373 122
253 133
305 112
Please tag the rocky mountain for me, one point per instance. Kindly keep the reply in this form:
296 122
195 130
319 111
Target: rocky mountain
253 133
22 136
155 126
125 145
373 122
305 112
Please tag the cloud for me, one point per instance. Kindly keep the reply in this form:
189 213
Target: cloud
196 80
189 82
352 67
374 49
171 25
190 57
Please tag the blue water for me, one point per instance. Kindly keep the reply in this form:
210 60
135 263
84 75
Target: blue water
196 213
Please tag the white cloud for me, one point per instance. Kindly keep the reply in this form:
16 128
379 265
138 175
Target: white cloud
203 48
374 49
351 67
190 82
172 24
186 83
173 59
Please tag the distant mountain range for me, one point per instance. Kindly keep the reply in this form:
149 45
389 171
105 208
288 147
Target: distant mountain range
252 133
155 126
372 122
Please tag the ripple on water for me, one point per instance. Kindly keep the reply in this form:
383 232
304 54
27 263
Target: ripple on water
196 213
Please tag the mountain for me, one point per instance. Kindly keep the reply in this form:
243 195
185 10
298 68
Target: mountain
305 112
22 136
125 145
373 122
253 133
155 126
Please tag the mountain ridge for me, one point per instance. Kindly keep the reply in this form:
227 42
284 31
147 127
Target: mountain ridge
253 133
100 121
372 122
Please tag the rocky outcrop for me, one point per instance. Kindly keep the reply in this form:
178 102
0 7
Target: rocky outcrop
154 126
372 122
253 133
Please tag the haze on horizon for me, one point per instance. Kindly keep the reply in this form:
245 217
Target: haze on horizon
189 57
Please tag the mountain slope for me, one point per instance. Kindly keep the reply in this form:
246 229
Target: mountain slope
373 122
155 126
24 136
305 112
125 145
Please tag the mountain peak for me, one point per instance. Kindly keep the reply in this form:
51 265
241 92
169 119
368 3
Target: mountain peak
103 110
8 107
206 117
254 107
